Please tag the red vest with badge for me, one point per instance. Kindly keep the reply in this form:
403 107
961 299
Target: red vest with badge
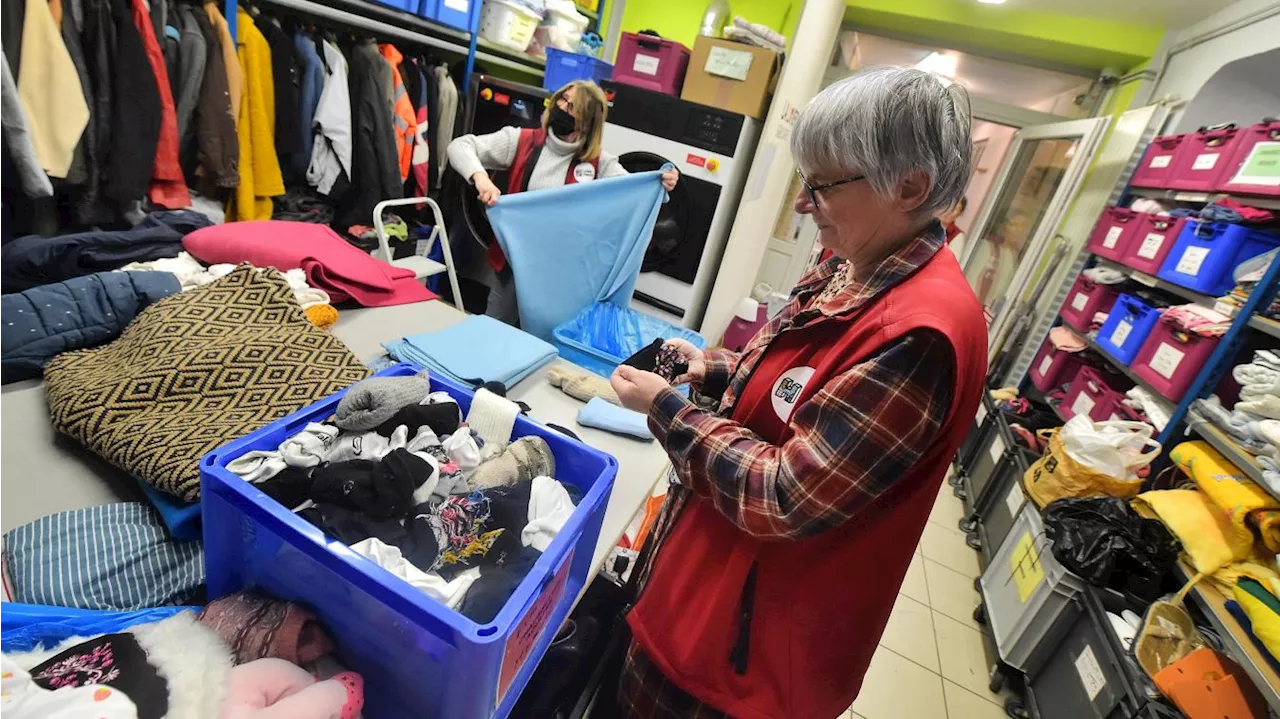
787 629
528 150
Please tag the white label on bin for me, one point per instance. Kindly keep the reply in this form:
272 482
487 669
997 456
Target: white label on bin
1161 161
1113 236
1166 359
1013 500
1079 301
524 637
647 64
459 5
996 450
1083 405
1205 161
1151 245
1191 261
733 64
1121 333
1090 672
1045 364
982 413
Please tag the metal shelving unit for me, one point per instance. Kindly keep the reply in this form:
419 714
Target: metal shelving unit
1269 203
1093 345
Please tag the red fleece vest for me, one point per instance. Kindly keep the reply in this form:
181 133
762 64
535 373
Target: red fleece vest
814 608
528 149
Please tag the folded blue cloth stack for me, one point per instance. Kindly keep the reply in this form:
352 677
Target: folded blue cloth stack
611 418
478 349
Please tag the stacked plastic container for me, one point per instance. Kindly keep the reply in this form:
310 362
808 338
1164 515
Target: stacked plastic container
1114 232
565 67
1205 255
1127 327
1250 138
1210 160
1091 394
1085 299
1170 359
1203 159
1153 238
1053 367
461 14
651 62
1156 168
507 23
418 657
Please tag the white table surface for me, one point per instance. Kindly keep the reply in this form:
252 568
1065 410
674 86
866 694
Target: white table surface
41 473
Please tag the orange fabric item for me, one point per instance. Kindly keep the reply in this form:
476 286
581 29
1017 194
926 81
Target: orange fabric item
1207 685
168 187
403 118
322 316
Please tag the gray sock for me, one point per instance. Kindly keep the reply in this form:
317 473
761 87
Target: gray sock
375 400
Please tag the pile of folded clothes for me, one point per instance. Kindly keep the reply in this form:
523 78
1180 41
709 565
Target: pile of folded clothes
1254 422
478 350
454 508
754 33
1247 276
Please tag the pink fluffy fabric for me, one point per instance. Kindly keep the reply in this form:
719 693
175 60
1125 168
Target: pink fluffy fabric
330 262
276 689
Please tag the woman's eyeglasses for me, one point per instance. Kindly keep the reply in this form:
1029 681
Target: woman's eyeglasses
813 190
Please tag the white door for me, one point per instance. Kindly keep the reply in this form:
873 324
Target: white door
790 248
1035 185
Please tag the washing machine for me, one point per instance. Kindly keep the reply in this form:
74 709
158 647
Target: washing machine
713 150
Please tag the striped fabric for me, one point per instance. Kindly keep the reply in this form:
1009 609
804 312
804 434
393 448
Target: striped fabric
116 556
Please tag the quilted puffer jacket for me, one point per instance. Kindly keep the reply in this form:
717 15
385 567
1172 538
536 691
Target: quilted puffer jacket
77 314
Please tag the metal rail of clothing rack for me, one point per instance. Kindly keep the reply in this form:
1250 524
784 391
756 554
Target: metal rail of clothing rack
375 18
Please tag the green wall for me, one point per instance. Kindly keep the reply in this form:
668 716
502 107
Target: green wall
679 19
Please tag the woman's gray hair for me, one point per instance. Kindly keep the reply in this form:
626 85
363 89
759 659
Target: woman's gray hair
885 123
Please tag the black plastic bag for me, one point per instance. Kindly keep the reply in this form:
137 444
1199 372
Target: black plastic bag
1105 542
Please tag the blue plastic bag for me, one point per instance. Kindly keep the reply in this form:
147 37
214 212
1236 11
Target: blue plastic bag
621 331
24 627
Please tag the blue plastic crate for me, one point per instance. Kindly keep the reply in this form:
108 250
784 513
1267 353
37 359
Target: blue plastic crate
1127 327
461 14
418 658
574 347
410 6
565 67
1203 259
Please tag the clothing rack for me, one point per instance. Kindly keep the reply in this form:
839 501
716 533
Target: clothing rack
365 15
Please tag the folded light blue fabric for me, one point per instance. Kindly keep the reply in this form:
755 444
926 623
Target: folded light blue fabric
477 349
573 245
611 418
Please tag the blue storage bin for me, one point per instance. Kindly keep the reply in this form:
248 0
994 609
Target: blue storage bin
1203 260
418 658
579 340
565 67
410 6
1127 327
461 14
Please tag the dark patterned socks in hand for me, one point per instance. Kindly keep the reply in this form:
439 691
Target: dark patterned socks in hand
660 358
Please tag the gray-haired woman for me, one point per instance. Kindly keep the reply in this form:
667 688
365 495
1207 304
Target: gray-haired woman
798 503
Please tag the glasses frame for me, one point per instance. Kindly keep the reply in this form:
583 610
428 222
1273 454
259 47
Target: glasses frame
813 190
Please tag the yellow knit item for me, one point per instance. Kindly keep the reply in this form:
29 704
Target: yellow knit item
322 316
260 178
1245 503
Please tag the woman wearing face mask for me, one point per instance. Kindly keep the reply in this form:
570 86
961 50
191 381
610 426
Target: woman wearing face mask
564 151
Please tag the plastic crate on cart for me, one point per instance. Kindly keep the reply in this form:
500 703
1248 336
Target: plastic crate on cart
1203 158
1086 299
1156 168
1259 145
418 657
1205 255
1170 359
650 62
1152 239
564 67
1114 232
1127 327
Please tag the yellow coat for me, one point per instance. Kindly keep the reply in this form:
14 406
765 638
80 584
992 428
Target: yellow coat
260 178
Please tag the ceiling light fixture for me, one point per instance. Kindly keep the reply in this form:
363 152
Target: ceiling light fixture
940 64
992 2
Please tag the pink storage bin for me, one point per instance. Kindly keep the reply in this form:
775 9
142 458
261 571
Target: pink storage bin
1090 395
1250 138
1086 299
1153 237
1156 168
1052 367
650 62
1170 359
1114 232
1204 157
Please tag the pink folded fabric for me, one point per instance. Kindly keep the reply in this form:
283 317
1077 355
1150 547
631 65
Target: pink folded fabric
329 262
1065 340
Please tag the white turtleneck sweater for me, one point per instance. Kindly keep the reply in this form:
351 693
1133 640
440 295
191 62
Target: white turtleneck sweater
470 154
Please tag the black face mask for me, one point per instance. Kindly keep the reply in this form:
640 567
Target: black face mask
561 123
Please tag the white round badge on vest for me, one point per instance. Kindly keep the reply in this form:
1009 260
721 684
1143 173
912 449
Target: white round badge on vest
584 172
787 389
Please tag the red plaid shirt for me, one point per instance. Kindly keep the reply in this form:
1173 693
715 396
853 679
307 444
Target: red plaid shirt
851 441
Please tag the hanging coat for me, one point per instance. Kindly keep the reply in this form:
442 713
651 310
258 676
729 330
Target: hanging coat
331 152
375 171
235 78
168 188
260 178
98 39
50 91
135 105
404 118
217 153
421 167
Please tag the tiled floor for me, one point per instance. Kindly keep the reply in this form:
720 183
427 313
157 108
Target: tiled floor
931 663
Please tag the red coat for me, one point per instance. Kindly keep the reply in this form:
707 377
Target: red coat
787 628
168 188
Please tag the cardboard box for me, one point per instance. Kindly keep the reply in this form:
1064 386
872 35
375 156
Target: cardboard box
732 76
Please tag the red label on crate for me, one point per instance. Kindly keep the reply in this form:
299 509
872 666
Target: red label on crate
501 99
696 160
524 638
